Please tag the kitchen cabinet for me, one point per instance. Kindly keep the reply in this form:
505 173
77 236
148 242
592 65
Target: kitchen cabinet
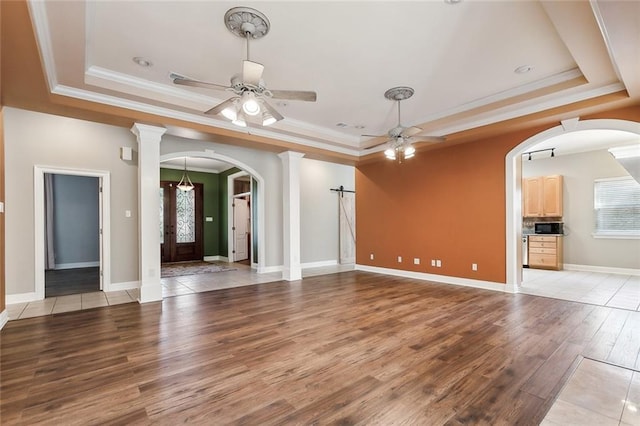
545 252
542 196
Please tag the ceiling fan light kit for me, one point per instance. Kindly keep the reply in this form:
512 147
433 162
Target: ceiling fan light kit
399 148
250 103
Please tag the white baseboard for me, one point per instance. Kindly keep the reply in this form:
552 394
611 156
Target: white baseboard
126 285
4 317
213 258
602 269
466 282
269 269
77 265
319 264
10 299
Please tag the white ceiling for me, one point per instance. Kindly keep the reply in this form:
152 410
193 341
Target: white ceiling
459 58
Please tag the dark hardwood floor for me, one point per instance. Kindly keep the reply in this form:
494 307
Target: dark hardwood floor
62 282
345 348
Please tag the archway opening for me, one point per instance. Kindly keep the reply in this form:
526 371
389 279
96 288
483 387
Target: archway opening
513 185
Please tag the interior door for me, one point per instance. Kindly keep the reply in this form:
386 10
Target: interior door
181 216
241 226
347 227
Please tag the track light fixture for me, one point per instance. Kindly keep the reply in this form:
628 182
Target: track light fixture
539 150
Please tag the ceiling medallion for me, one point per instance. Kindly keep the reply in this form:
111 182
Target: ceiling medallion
399 93
243 20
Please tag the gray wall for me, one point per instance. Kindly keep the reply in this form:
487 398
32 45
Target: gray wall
33 138
580 171
41 139
319 208
76 219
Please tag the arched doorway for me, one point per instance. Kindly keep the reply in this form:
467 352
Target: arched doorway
513 185
260 217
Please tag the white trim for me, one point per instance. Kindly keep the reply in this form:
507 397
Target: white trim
629 151
193 118
38 12
319 264
4 318
261 219
230 217
125 285
602 269
513 187
269 269
11 299
614 236
77 265
442 279
216 257
38 210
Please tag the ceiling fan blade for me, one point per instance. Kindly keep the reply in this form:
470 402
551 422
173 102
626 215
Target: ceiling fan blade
218 108
252 72
410 131
430 139
294 95
272 111
186 81
376 144
373 136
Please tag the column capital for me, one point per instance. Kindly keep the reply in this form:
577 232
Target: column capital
290 155
145 132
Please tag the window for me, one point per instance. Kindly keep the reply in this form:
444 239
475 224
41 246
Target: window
617 207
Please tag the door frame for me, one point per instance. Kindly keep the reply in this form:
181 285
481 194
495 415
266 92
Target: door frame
260 219
230 197
513 186
231 224
104 211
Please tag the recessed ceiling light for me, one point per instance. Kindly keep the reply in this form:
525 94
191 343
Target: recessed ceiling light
452 1
359 126
523 69
341 125
142 61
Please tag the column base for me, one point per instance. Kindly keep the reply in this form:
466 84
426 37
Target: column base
150 292
292 274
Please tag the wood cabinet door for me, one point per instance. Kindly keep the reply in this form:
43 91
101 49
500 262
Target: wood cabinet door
552 196
532 197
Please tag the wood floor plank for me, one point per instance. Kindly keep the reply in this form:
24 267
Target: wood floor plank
348 348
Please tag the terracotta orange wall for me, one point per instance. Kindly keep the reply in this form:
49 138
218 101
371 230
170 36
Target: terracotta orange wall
446 204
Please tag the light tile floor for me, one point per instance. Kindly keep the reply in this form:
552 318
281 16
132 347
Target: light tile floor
612 290
73 302
175 286
597 394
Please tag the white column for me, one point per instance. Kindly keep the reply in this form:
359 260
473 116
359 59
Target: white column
291 215
148 208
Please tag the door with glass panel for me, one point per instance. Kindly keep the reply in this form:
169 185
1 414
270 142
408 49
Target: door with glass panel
181 214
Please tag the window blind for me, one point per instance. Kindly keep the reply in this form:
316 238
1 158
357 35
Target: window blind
617 206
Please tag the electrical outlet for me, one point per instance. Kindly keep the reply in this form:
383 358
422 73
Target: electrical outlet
474 266
438 263
399 259
371 256
433 262
416 261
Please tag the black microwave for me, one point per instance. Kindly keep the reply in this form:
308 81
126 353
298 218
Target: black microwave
548 228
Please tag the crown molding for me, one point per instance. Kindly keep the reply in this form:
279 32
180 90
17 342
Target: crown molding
38 13
192 118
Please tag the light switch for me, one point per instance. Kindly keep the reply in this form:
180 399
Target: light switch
1 207
127 213
208 219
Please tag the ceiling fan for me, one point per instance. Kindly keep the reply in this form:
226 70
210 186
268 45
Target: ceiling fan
251 94
398 137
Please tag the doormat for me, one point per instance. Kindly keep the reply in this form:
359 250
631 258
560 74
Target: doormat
179 269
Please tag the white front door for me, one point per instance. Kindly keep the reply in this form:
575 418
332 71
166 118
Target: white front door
241 228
